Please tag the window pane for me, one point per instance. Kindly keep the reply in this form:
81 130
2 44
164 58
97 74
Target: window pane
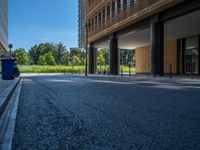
192 43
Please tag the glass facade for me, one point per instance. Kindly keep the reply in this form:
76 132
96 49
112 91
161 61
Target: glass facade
3 26
81 25
191 55
189 58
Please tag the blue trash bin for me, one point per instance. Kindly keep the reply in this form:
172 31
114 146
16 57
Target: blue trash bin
7 69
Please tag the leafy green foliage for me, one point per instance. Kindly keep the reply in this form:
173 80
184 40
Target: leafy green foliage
101 57
37 55
21 56
76 60
126 57
47 59
77 56
57 54
65 59
51 69
60 69
38 50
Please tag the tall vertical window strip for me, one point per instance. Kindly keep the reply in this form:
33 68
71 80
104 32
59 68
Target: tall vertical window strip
189 49
81 24
3 26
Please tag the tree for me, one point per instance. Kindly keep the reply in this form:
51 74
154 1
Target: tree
80 53
38 50
37 54
76 60
34 55
106 56
65 59
47 59
101 58
82 56
42 60
21 56
60 51
126 57
74 52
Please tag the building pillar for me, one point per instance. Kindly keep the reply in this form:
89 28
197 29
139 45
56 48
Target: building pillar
178 55
114 56
183 55
199 57
92 59
157 45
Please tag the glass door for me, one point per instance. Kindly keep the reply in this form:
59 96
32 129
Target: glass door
191 55
191 61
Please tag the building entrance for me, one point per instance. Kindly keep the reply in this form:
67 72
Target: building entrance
191 61
191 55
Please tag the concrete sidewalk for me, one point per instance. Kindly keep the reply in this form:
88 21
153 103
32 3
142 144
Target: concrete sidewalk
7 87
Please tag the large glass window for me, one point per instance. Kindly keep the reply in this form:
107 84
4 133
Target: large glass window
191 55
192 43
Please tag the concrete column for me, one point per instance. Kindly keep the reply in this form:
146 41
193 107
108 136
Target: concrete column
114 56
199 57
157 45
178 56
92 59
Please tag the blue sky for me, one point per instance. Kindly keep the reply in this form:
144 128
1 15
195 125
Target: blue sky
36 21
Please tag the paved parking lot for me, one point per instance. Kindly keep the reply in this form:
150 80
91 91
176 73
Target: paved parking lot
74 112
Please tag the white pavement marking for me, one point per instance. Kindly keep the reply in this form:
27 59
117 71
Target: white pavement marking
112 82
40 74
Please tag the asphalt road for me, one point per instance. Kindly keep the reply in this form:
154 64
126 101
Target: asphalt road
71 112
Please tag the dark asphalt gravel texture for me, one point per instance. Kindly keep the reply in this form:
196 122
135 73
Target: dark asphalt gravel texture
101 113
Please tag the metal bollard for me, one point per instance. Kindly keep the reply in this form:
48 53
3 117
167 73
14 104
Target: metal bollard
170 73
129 70
191 71
154 75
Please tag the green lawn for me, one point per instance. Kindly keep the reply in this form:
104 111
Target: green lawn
62 69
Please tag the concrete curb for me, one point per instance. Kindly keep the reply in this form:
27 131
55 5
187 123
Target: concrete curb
135 76
6 95
8 118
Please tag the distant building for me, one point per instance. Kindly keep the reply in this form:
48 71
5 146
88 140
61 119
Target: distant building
81 25
164 33
3 26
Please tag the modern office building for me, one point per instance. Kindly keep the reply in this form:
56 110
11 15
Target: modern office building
81 25
3 26
164 33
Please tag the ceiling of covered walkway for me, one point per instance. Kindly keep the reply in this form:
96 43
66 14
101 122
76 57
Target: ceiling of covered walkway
184 26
